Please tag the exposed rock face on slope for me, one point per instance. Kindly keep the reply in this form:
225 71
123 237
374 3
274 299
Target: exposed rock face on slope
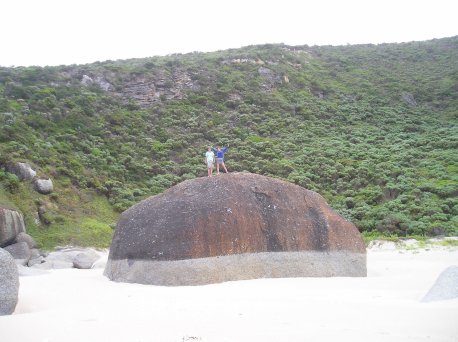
11 224
146 90
231 227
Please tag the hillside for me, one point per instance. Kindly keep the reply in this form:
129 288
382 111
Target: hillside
373 128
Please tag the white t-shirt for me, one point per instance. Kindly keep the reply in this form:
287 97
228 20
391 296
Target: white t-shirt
209 156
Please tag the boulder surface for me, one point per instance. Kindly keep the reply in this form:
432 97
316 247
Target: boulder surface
445 287
22 170
231 227
20 251
24 237
9 283
11 224
85 260
44 186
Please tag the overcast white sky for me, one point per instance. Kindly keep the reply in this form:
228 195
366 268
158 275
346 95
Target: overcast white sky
54 32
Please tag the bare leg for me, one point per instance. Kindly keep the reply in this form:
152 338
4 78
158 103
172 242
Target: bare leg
217 168
210 171
224 167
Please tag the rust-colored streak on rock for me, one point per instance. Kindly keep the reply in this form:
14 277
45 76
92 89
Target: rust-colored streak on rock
231 214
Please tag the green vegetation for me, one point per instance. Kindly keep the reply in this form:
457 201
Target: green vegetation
449 243
373 128
70 216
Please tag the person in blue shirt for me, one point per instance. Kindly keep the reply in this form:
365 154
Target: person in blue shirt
219 152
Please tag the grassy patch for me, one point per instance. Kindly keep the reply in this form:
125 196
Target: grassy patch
371 236
449 243
88 233
5 200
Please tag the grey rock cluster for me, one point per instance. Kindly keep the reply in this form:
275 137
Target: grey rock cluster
23 259
11 222
25 172
82 258
15 240
23 248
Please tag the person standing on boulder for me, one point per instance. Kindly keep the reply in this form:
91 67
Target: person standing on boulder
209 160
220 157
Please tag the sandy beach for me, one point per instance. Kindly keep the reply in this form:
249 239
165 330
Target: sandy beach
83 305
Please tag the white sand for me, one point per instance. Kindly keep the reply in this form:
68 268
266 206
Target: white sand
83 305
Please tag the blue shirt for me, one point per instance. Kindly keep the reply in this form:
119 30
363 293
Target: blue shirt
220 154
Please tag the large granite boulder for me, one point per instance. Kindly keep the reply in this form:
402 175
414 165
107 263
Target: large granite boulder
230 227
11 224
9 283
22 170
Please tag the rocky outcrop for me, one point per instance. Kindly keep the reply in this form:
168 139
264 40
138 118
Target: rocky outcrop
231 227
22 170
44 186
100 81
409 99
86 80
11 224
146 90
9 283
271 80
243 61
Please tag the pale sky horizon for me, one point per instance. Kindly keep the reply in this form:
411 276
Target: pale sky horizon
62 32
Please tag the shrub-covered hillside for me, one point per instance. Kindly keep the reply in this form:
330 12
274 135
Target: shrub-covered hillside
373 128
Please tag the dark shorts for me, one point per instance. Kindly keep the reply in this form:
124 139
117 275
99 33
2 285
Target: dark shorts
219 161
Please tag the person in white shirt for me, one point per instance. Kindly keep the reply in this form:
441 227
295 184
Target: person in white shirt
209 160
